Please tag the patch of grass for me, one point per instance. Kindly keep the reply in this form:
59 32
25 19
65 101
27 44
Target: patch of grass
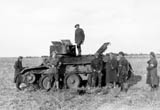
138 96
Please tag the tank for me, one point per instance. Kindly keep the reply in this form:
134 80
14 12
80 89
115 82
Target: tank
74 70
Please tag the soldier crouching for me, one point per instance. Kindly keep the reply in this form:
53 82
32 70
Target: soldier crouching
97 66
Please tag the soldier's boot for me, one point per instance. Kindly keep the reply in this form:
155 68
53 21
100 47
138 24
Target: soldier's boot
93 82
121 86
99 79
99 83
18 86
57 84
79 50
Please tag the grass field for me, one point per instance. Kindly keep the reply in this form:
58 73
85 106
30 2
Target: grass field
138 97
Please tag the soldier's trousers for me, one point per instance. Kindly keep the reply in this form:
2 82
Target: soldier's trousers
79 49
94 79
99 79
95 76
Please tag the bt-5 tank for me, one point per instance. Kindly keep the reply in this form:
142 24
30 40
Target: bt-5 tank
73 71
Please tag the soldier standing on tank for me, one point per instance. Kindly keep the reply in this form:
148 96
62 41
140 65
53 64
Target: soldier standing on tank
18 68
123 68
79 38
97 66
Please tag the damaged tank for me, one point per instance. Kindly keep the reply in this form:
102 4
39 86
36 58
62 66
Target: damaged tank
74 70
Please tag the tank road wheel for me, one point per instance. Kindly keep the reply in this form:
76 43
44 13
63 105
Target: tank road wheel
73 81
46 83
30 78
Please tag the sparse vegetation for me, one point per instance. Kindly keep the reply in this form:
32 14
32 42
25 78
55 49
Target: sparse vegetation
138 97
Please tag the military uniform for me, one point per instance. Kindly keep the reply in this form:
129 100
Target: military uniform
54 67
123 68
107 71
79 38
18 68
113 70
97 65
53 70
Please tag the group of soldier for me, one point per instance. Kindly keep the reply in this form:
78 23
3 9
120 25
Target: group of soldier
117 69
116 72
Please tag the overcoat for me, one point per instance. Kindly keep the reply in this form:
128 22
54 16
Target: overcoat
113 70
152 77
18 68
111 67
123 68
79 36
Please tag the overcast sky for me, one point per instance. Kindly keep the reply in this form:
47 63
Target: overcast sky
27 27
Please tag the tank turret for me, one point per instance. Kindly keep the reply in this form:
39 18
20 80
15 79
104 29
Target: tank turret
65 47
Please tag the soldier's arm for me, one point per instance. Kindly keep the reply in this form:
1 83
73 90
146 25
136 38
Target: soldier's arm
152 64
82 32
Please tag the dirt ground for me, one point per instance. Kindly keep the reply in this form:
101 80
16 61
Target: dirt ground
138 97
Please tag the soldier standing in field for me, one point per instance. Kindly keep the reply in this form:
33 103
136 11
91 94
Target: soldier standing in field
97 66
79 38
107 70
152 77
123 68
54 68
113 69
18 68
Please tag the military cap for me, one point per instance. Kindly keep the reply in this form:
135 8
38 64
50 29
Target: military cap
76 25
20 57
121 53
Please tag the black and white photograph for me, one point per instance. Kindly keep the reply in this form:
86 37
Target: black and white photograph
79 54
